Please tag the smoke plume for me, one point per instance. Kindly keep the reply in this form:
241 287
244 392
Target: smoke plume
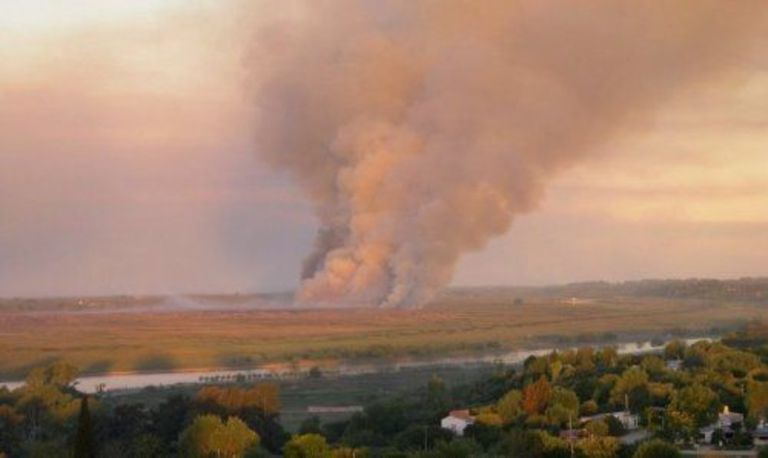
421 129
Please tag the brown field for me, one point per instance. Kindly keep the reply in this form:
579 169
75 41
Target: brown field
137 340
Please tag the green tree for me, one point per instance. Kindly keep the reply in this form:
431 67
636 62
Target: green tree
509 406
675 350
698 402
757 400
307 446
563 406
208 436
597 428
84 446
458 448
657 449
599 447
310 425
632 385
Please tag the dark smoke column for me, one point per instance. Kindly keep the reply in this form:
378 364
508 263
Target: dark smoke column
420 129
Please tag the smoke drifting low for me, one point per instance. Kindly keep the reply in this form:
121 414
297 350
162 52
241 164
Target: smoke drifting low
421 129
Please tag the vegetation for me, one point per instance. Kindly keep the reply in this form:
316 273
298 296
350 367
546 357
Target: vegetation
84 446
464 321
531 410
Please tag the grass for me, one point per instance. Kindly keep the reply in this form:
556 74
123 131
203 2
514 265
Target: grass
124 339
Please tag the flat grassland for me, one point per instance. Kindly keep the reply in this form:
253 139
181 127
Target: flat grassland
135 337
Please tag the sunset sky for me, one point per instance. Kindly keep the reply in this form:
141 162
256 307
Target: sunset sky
128 165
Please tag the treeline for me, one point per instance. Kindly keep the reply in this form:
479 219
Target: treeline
44 418
742 289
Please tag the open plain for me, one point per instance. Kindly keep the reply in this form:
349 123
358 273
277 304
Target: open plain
154 334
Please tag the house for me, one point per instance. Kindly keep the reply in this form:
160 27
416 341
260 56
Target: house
760 434
728 422
457 421
675 364
629 420
573 435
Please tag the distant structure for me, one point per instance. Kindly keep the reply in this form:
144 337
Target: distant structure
629 420
760 434
728 422
457 421
335 409
675 364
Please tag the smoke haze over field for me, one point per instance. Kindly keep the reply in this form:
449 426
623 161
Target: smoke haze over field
420 130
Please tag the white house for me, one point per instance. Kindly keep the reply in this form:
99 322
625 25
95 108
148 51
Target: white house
727 422
630 421
728 419
457 421
760 434
675 364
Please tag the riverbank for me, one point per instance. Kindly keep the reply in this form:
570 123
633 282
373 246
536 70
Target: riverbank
136 380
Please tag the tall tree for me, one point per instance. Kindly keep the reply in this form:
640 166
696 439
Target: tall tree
536 396
84 446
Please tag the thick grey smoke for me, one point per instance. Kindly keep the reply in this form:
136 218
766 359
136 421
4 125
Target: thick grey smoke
421 129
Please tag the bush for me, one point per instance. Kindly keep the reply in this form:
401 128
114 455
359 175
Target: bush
657 449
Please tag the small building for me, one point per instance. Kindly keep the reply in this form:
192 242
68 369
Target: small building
760 434
730 420
573 435
727 422
629 420
675 364
457 421
706 433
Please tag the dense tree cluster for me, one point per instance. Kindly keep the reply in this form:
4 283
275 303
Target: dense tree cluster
518 411
521 412
47 417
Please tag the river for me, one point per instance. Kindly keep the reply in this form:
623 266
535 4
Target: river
137 381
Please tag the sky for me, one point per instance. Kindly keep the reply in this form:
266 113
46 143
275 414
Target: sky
128 164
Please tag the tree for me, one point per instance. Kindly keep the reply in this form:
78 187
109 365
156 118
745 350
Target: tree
757 399
310 425
58 374
234 438
597 428
657 449
675 350
536 396
458 448
10 429
633 384
169 418
84 446
698 402
599 447
509 407
208 436
608 357
563 405
615 426
307 446
264 397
